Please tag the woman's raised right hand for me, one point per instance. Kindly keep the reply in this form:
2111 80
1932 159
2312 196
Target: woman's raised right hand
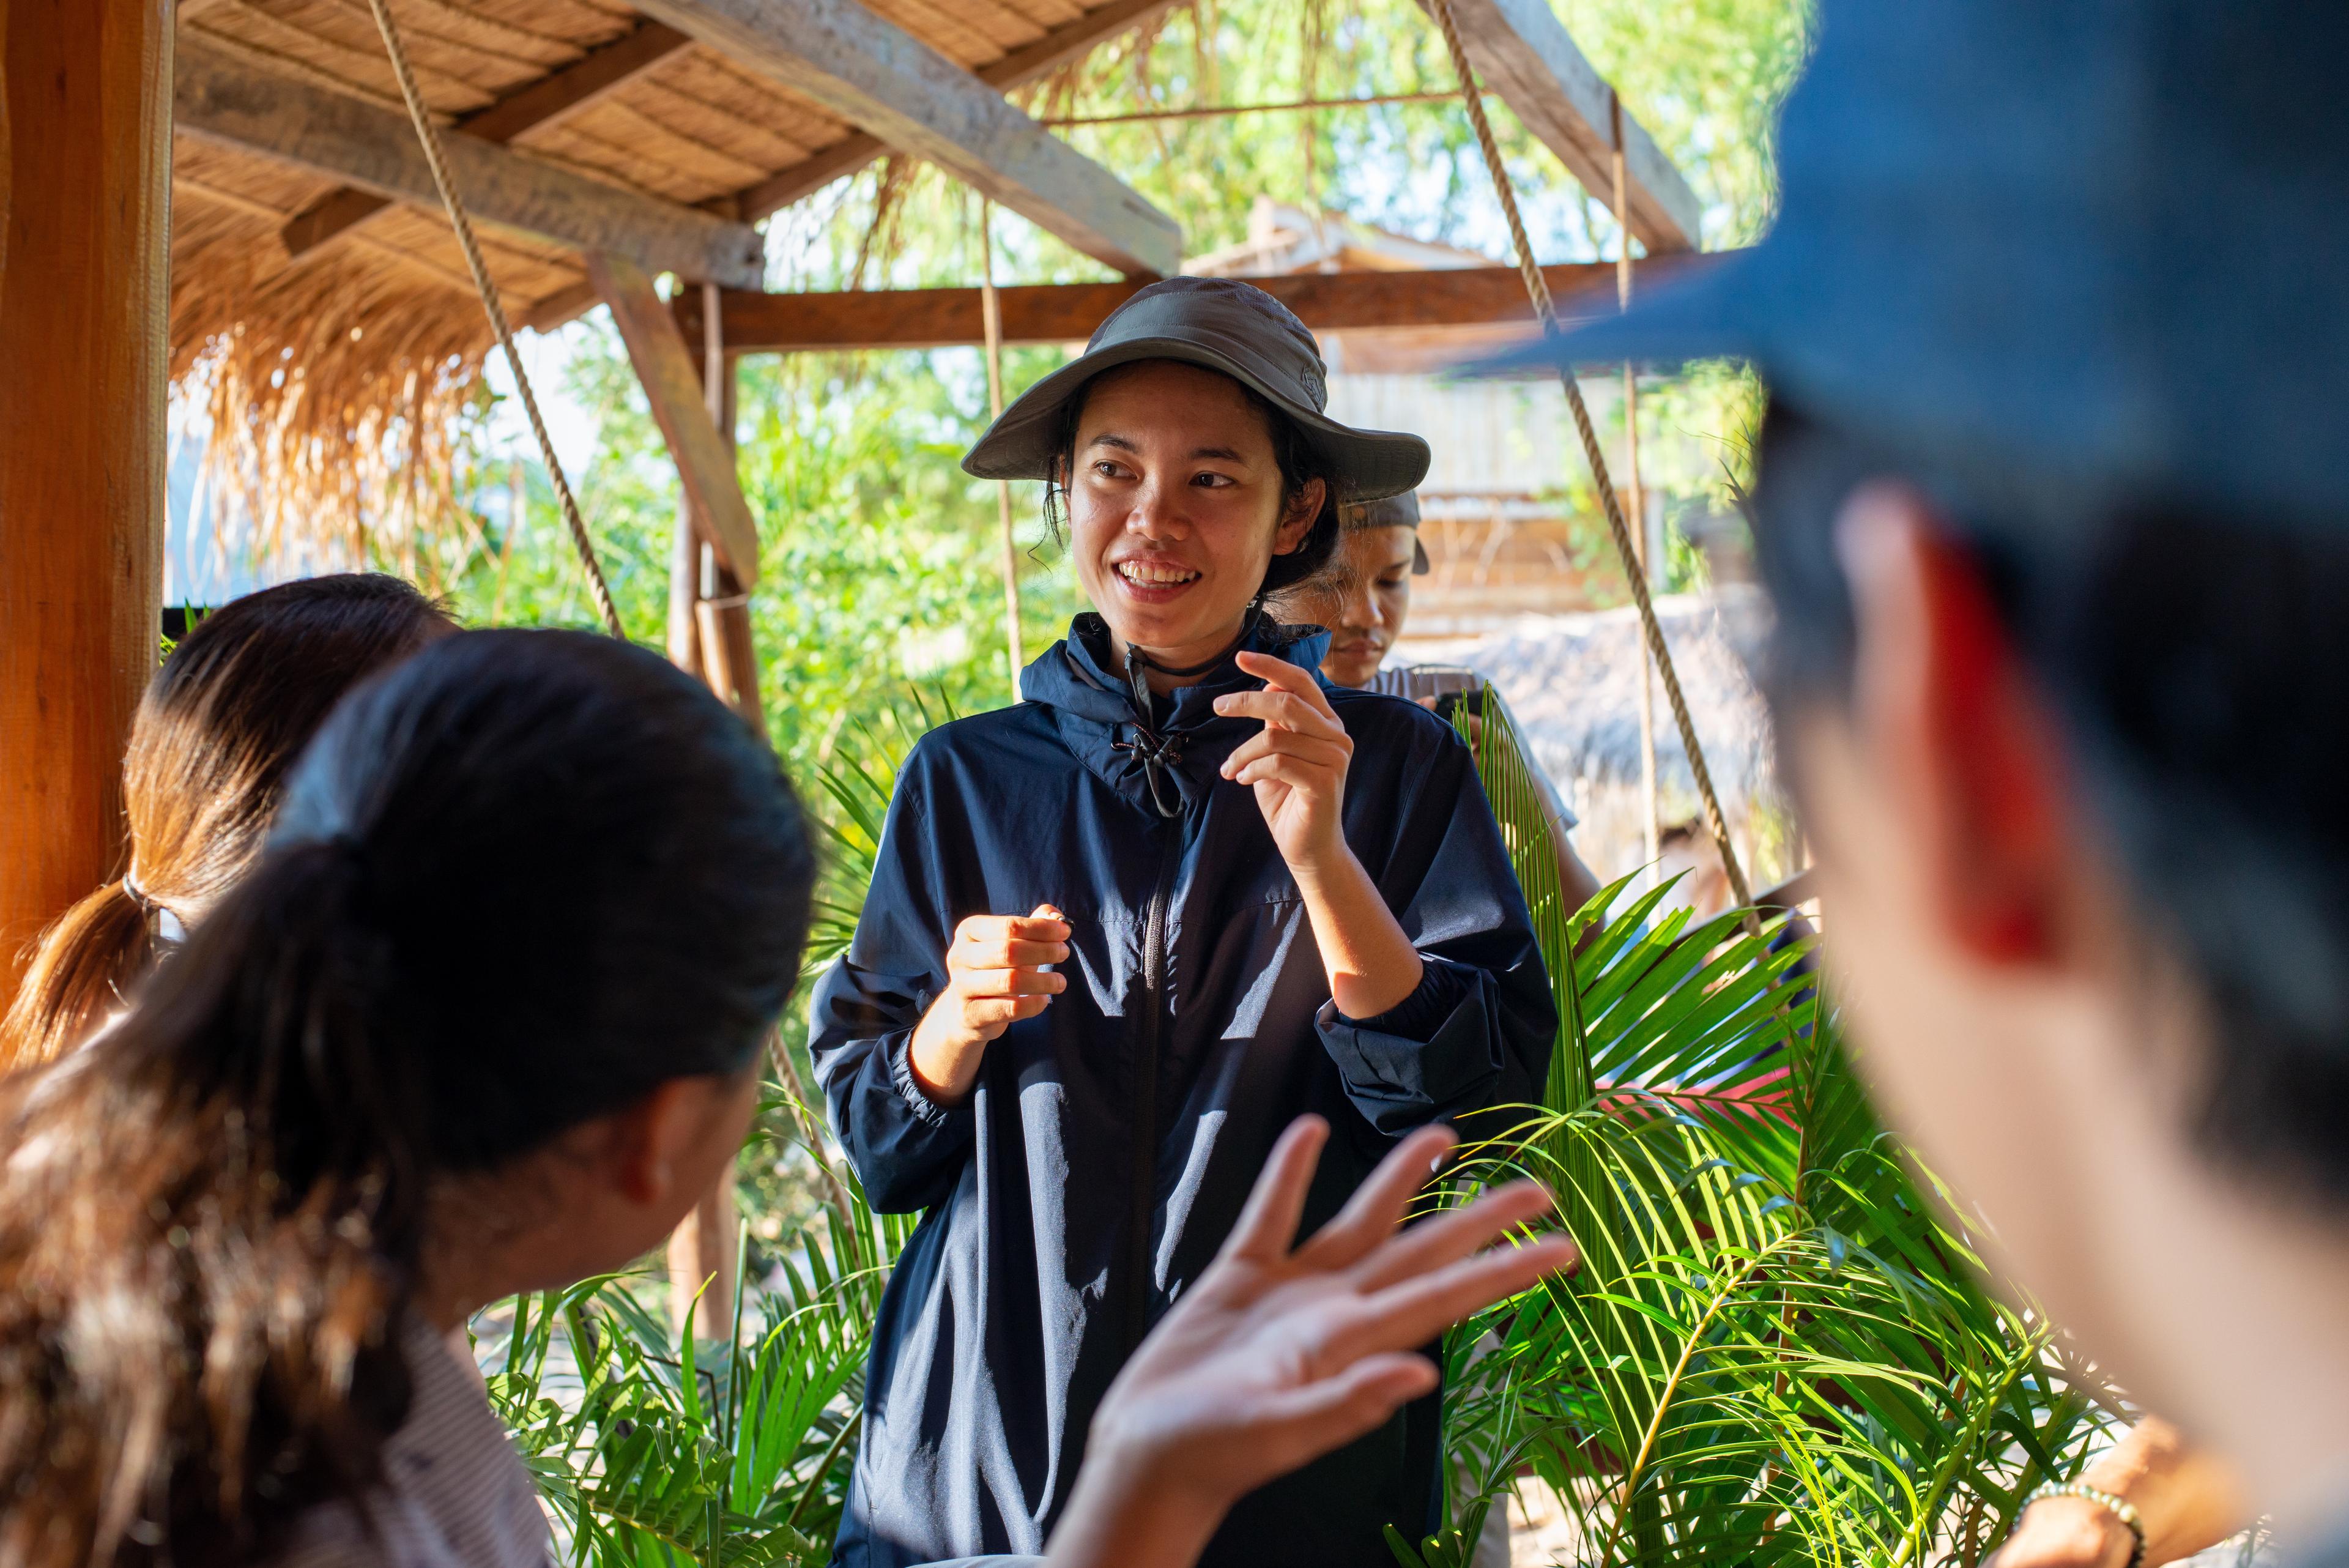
996 975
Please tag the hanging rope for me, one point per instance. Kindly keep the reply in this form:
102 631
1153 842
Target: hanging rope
1546 309
430 135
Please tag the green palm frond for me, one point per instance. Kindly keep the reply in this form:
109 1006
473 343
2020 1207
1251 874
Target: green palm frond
648 1455
858 782
1775 1350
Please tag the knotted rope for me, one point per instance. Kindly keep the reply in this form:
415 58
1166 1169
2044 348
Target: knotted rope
430 135
1538 286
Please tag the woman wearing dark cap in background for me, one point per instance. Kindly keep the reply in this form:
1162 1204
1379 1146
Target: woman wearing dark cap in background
219 726
1252 896
1363 597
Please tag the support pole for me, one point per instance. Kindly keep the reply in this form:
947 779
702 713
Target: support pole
730 661
705 1251
990 309
1635 500
84 184
684 593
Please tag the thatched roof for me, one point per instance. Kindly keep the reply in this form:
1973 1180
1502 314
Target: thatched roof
317 358
1573 682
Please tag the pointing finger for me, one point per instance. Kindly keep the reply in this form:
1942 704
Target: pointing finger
1285 709
1288 677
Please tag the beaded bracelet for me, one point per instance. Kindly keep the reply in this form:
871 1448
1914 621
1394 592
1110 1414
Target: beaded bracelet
2119 1508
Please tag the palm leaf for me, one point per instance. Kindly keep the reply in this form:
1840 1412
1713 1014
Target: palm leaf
1775 1349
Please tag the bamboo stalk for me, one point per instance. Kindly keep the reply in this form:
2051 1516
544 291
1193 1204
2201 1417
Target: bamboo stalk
990 310
1635 500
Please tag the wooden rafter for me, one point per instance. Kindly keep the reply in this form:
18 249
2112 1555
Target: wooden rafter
545 101
1522 52
342 138
875 75
1065 313
1024 65
705 463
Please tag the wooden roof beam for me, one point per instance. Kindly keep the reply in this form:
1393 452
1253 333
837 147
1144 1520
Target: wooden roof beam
552 98
876 75
1030 63
219 100
705 460
1522 52
1068 312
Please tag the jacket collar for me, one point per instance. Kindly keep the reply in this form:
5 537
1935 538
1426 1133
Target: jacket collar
1166 763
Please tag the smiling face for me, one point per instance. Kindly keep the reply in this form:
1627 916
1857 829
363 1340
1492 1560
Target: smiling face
1176 507
1363 603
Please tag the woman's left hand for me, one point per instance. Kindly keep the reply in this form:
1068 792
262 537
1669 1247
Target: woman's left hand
1298 764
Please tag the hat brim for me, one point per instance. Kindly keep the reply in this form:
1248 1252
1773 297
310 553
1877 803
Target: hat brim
1370 464
1715 314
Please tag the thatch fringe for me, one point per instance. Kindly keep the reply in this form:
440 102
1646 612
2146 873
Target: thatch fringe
314 445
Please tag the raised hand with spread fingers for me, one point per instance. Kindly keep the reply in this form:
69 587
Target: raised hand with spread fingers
1282 1353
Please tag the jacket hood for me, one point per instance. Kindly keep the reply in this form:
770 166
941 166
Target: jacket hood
1169 760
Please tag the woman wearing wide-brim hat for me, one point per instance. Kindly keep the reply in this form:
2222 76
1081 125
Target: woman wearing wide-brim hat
1121 934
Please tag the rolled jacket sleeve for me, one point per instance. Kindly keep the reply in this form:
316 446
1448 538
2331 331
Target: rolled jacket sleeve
1435 1054
908 1149
1478 1029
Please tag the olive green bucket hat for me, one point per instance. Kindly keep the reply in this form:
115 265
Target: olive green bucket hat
1393 511
1221 324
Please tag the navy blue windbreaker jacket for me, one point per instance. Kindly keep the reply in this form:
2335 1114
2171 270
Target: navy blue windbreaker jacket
1109 1144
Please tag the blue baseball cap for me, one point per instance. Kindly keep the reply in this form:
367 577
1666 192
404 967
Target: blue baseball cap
2104 242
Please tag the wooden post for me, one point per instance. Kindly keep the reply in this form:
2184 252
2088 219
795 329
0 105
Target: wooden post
705 1251
705 460
684 591
84 182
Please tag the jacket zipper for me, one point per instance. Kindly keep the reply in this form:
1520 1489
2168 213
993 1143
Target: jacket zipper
1145 1102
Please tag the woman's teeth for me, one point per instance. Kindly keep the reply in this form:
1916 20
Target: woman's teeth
1150 574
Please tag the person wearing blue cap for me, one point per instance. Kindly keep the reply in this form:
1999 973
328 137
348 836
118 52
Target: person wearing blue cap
1362 599
2052 500
1123 933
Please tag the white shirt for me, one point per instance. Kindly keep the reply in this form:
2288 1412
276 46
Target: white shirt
454 1492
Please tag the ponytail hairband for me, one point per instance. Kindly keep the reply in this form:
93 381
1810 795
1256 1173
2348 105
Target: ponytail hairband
137 894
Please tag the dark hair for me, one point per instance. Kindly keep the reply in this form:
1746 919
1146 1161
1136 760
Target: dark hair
2195 661
1299 461
517 883
219 726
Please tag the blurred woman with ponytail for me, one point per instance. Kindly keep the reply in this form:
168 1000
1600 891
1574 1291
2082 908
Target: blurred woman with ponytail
221 723
487 1017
